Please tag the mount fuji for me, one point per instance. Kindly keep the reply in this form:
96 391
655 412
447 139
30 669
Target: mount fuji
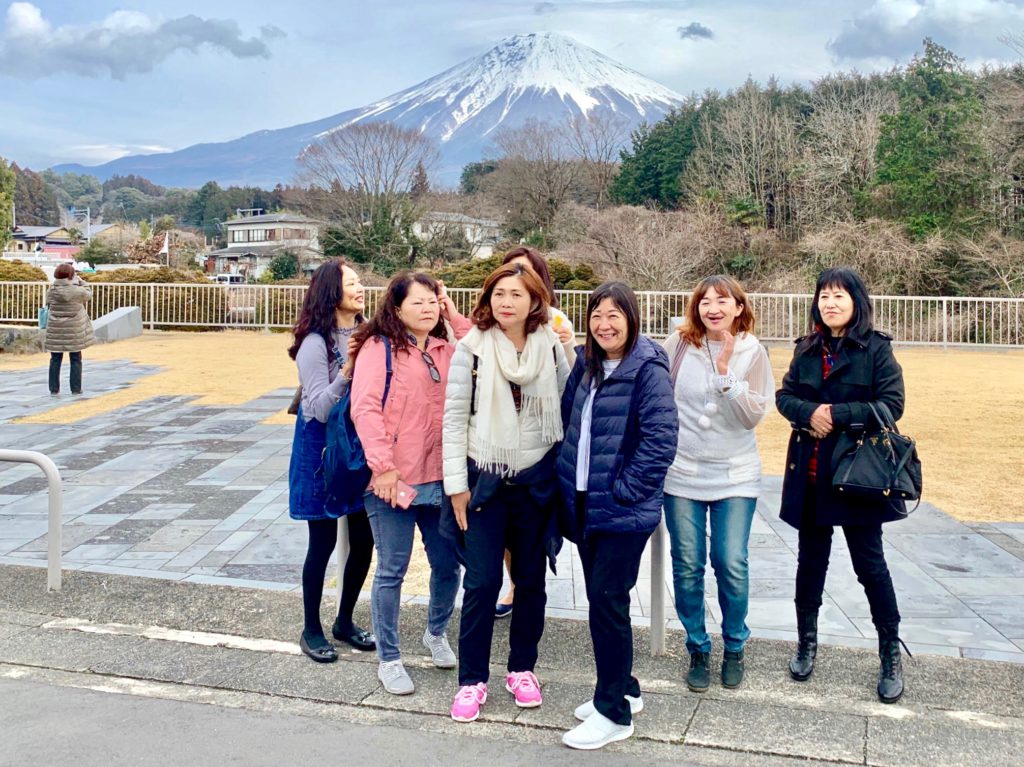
543 76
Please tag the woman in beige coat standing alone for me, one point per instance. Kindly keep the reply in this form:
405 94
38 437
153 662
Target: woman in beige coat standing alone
68 327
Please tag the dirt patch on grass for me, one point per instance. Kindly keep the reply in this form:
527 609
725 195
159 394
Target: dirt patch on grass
963 407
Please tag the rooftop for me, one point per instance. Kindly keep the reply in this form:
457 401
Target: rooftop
271 218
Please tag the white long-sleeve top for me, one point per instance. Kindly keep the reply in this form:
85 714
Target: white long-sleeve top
720 461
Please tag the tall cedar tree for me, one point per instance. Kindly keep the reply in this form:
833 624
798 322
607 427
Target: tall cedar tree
652 169
931 161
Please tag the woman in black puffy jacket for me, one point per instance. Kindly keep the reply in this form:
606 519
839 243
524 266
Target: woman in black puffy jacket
620 438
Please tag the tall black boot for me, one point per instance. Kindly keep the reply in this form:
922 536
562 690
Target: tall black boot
890 672
802 664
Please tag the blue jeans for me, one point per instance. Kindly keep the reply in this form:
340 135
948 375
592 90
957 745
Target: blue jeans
393 536
730 532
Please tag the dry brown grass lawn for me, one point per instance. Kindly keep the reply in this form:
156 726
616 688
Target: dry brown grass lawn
963 407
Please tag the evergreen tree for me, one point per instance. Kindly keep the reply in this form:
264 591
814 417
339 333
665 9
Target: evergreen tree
420 183
651 171
35 202
284 266
931 170
6 200
473 173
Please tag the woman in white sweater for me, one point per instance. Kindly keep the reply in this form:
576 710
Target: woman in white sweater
723 385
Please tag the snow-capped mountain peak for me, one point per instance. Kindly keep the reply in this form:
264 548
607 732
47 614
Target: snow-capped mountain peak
542 76
536 64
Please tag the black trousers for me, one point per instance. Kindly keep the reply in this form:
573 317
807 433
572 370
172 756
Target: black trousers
56 358
509 520
611 563
865 544
323 535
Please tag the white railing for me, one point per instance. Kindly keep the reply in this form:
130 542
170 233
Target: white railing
988 322
55 509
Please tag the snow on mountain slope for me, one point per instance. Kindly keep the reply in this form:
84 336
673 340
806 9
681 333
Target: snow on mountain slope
543 76
539 63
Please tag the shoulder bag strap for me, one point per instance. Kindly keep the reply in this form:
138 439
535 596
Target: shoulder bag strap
387 375
677 360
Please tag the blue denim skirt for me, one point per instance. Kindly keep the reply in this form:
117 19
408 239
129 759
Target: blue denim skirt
306 496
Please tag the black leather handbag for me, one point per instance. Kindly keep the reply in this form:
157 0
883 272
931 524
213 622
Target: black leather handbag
879 463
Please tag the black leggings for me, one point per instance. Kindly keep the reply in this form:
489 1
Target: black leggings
323 535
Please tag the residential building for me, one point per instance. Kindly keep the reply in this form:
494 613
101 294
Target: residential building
481 234
254 239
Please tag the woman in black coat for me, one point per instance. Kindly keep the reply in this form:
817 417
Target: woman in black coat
836 371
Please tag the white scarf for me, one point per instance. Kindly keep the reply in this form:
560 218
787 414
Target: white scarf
498 440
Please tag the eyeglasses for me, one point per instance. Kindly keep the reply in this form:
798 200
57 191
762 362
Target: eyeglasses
435 374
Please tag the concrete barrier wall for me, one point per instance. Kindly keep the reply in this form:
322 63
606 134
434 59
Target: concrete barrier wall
118 325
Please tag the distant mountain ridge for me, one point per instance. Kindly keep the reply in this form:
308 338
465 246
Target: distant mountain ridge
545 76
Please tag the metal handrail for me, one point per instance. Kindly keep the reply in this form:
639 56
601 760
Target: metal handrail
56 509
947 321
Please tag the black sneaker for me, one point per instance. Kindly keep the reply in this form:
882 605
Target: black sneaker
698 678
732 669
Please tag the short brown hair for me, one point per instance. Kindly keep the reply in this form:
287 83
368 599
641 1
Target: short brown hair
64 272
484 318
693 331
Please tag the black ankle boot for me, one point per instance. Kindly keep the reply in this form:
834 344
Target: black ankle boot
890 672
802 664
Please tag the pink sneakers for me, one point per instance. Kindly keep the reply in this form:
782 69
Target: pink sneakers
526 688
469 698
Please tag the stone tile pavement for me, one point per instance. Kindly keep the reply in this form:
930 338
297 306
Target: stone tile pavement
173 490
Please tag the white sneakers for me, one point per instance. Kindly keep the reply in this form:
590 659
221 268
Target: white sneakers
596 732
585 710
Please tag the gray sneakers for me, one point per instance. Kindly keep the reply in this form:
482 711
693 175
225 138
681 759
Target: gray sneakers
395 678
440 651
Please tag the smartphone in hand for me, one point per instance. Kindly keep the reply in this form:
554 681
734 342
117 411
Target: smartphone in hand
405 494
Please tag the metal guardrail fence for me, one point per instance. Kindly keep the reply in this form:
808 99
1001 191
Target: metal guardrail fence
950 321
55 509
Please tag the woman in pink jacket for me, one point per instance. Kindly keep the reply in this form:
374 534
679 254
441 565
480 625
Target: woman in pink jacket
402 441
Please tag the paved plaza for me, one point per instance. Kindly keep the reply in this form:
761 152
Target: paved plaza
172 490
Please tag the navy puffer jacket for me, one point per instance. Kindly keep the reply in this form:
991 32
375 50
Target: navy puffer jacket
632 444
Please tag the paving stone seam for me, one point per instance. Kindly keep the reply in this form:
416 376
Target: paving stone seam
769 752
638 737
360 715
554 675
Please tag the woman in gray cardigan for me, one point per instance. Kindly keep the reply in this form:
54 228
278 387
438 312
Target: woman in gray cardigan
68 327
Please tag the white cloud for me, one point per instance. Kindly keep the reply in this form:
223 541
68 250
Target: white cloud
100 153
894 29
123 43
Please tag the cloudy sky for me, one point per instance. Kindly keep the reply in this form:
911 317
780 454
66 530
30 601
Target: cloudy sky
89 82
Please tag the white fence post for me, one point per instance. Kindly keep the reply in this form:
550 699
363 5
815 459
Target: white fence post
658 589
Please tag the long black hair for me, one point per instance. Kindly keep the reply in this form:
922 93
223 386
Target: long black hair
386 322
625 301
325 291
861 324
